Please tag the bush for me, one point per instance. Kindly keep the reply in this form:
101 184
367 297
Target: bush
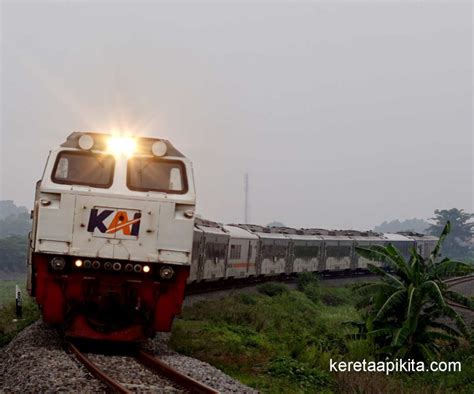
247 299
272 289
332 299
313 292
306 278
284 367
284 343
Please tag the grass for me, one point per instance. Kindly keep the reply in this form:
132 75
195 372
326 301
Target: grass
7 290
276 341
9 326
281 341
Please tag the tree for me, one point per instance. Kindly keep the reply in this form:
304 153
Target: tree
13 220
15 225
13 253
8 208
458 243
395 226
404 309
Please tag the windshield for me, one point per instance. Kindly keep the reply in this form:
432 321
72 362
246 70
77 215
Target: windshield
146 174
84 168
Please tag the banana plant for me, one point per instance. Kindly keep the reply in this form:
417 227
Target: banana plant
408 310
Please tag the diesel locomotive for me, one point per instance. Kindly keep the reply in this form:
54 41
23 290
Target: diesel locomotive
110 248
115 241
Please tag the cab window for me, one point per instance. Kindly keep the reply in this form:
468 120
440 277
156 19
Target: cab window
84 168
159 175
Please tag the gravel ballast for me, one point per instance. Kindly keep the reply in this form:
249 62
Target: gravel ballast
35 361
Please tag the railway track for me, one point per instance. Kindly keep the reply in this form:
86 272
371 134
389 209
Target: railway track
209 287
458 280
166 373
463 281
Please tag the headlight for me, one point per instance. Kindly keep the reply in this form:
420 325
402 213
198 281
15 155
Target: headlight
146 269
78 263
166 272
120 145
58 263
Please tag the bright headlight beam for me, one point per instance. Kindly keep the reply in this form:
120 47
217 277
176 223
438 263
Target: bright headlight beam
119 145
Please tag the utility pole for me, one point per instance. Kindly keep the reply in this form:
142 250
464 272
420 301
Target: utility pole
246 186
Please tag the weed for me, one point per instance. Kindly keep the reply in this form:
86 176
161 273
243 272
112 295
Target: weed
272 289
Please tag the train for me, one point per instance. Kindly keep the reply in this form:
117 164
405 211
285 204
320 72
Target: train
245 251
115 240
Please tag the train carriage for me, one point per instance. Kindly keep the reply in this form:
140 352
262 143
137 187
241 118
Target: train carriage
424 244
366 240
242 252
215 240
402 243
273 256
338 252
196 269
306 253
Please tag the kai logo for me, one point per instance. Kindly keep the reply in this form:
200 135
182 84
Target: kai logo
114 222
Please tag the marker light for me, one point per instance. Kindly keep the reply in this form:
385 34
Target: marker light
57 263
166 272
78 263
146 268
119 145
159 148
85 142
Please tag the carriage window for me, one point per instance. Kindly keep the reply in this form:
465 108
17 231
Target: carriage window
338 252
145 174
84 168
270 251
216 250
235 252
306 251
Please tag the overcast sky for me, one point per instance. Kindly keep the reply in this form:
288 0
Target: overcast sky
344 114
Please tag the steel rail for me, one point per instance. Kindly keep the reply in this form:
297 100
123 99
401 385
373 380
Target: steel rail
164 369
97 372
460 306
454 282
458 280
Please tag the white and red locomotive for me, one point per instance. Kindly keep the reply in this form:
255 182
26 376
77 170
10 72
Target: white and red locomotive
110 248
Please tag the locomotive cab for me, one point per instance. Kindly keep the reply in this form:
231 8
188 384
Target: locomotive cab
111 242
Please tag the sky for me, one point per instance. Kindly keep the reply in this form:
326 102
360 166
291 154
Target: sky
344 114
